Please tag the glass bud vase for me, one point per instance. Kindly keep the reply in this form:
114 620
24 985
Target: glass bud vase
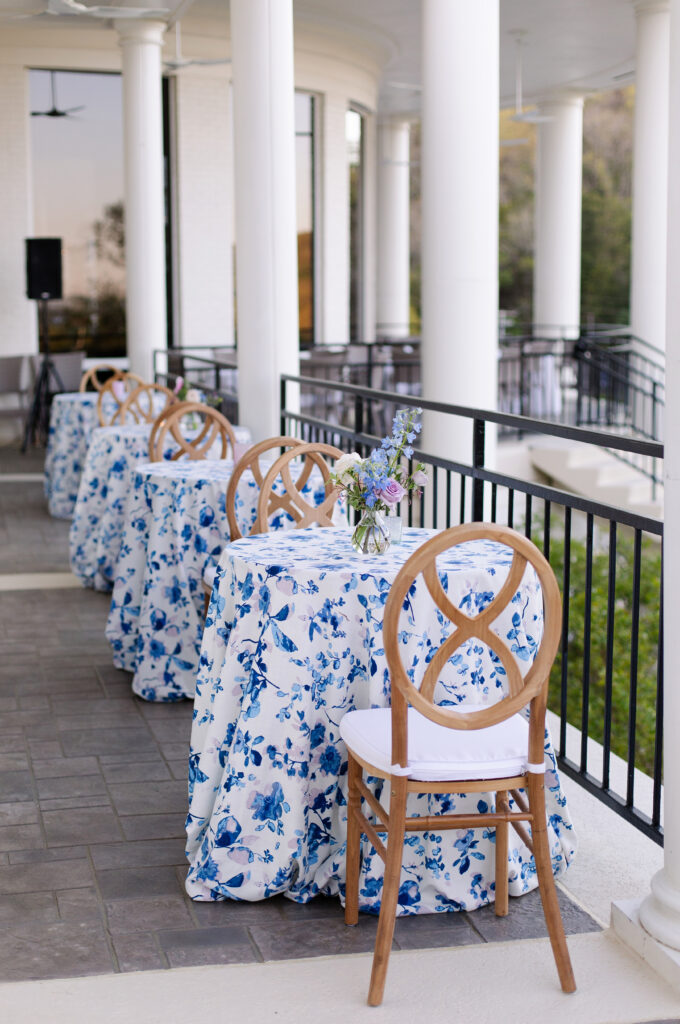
371 535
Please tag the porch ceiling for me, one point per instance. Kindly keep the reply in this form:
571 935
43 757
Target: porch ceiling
568 44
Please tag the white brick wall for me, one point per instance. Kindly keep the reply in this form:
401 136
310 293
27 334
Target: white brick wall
17 313
204 212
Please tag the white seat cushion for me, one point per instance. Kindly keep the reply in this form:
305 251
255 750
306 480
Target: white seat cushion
209 576
438 754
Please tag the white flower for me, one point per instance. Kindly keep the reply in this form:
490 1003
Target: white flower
343 465
193 395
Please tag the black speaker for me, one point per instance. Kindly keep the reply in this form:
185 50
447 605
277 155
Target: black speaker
43 268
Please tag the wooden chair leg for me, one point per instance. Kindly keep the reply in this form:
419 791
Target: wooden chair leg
546 884
353 854
390 893
501 907
206 604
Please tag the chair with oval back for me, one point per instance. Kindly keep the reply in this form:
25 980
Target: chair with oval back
113 394
211 439
143 404
91 376
249 462
291 500
421 746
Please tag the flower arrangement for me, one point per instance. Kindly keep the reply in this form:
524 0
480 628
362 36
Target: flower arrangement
185 393
378 483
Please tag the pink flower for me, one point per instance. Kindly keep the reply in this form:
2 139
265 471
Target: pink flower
420 478
179 384
392 493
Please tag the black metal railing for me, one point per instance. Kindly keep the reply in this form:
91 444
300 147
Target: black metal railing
210 371
607 685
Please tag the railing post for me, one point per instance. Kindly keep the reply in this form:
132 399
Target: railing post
282 405
478 437
359 414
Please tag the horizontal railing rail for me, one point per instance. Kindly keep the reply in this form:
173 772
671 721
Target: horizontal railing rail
607 682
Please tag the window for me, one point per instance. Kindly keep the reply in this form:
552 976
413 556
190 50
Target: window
77 157
354 134
304 169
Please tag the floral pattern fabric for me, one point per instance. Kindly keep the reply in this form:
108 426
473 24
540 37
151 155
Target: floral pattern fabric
293 641
175 528
73 418
99 514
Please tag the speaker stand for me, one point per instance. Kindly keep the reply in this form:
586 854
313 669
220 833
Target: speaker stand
38 422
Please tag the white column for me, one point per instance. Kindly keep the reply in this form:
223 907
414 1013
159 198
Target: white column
557 233
460 214
264 183
141 43
650 173
660 912
333 315
205 214
18 315
393 291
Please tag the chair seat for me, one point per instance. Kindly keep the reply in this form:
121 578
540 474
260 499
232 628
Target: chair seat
438 754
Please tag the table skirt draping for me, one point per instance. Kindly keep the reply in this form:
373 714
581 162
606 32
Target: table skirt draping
175 528
293 640
99 514
73 417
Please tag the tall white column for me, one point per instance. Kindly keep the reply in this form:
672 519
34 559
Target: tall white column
141 43
393 292
460 214
264 185
660 912
557 238
333 316
650 172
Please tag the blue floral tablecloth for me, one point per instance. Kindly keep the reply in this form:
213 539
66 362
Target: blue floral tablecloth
73 417
293 640
175 527
99 514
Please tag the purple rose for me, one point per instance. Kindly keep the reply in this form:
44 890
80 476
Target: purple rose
392 493
419 478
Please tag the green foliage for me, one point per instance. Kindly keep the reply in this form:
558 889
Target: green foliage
623 612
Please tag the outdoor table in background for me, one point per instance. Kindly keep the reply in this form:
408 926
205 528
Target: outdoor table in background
175 526
99 514
73 417
293 641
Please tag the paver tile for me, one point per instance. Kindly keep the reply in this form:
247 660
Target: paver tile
127 883
81 825
138 952
148 914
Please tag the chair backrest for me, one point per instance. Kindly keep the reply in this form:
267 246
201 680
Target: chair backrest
533 687
13 375
91 377
292 500
143 404
251 461
195 428
113 394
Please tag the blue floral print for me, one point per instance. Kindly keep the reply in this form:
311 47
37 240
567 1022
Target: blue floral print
293 640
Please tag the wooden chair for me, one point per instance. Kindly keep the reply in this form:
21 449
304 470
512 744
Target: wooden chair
198 444
107 395
250 460
141 405
292 500
91 376
397 744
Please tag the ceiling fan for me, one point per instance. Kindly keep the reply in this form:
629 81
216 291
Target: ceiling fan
179 61
54 110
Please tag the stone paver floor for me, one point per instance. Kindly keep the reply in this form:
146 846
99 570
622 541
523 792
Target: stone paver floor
93 800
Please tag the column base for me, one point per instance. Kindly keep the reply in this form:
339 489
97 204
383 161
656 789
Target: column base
625 922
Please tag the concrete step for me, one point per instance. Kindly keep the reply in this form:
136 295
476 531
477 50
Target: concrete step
597 474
